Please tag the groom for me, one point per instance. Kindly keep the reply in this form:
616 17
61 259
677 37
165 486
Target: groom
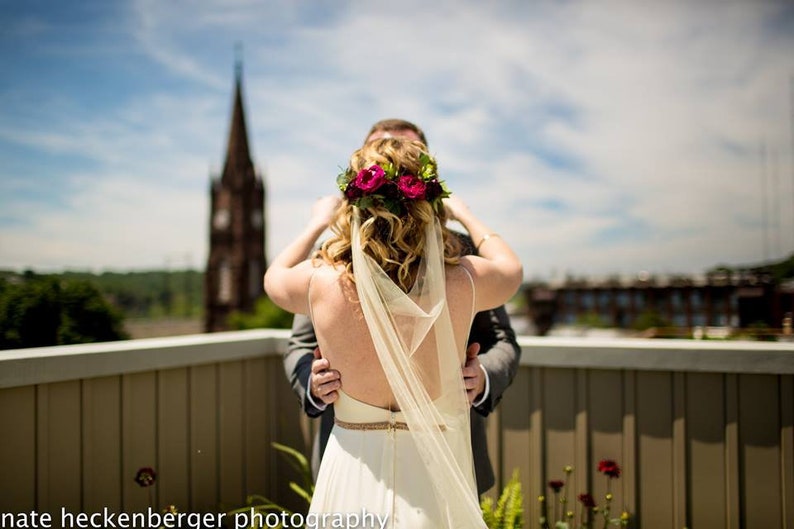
491 358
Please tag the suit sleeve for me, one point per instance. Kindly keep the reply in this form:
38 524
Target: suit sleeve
499 353
298 361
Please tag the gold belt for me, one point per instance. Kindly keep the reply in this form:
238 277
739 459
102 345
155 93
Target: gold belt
382 425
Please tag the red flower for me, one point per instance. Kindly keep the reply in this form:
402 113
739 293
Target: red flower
556 485
609 468
412 188
587 500
433 189
369 180
145 477
352 192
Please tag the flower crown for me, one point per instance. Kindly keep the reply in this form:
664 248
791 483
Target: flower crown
384 185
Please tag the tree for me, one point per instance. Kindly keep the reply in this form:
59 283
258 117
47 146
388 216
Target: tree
29 312
37 311
266 315
86 316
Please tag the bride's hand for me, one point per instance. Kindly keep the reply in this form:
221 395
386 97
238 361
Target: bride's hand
324 209
455 207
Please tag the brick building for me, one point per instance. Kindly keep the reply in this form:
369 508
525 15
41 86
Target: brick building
236 262
735 300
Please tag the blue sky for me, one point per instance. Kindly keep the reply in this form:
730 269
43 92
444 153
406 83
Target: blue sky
598 138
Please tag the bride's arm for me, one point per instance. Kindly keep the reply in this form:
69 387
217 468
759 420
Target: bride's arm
287 277
497 271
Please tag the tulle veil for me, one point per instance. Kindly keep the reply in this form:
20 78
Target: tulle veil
427 387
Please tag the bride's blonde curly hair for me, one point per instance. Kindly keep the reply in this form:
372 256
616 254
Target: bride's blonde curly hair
396 242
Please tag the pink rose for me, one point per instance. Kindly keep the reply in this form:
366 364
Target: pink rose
411 187
369 180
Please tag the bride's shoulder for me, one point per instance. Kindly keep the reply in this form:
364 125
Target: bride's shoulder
457 273
330 284
327 271
325 275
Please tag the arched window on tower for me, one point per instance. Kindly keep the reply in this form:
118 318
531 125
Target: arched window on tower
225 282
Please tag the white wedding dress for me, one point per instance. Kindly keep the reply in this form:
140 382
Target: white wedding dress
412 468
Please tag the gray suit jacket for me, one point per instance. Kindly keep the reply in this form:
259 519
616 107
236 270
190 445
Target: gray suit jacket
499 355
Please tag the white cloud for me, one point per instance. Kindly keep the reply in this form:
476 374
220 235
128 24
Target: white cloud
597 137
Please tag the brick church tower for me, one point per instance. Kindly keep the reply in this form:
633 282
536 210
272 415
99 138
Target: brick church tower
236 263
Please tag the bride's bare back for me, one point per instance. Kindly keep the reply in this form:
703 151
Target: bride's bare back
344 339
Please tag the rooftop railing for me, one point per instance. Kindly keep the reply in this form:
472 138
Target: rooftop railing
703 430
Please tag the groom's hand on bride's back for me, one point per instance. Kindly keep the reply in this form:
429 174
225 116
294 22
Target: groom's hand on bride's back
324 381
473 375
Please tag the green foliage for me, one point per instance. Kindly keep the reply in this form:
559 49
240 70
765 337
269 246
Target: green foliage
518 302
37 311
86 316
592 320
143 294
150 294
30 312
266 315
509 511
779 271
304 489
650 319
761 331
783 270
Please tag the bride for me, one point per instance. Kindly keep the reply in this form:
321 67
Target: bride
392 299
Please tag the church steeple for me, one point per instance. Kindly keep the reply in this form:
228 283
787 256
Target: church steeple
236 262
238 155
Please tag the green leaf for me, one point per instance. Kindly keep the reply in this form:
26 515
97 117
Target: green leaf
394 206
298 461
428 168
300 491
343 179
366 202
508 512
391 172
301 464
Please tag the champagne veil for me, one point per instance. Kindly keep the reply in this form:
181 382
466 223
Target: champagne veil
426 381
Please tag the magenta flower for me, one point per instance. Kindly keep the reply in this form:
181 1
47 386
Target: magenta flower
412 188
369 180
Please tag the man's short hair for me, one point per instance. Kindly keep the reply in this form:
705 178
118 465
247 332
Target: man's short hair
392 125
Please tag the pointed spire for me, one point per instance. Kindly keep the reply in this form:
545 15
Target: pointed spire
238 156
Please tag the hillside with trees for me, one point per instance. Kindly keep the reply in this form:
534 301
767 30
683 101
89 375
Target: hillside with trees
149 294
39 310
81 307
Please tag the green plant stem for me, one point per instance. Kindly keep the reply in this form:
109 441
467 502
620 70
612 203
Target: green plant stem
556 507
607 503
